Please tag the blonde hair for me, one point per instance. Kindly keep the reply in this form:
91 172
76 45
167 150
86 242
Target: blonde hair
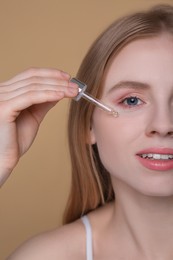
91 185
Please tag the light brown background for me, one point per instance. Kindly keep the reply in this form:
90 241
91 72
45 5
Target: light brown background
46 33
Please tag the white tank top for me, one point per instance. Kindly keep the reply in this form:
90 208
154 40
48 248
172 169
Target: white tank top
89 248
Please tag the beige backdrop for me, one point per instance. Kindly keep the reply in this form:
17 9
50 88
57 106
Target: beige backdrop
46 33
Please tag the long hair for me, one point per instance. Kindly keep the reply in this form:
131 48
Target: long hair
91 184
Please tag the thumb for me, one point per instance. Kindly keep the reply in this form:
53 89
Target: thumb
39 111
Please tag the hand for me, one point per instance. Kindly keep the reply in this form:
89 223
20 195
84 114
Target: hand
24 101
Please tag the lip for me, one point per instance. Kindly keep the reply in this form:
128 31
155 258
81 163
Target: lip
157 165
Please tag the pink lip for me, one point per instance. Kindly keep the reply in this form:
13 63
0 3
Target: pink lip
157 165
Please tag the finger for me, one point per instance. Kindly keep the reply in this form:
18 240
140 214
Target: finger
9 110
40 72
68 90
36 80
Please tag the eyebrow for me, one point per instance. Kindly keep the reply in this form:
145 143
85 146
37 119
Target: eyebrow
129 84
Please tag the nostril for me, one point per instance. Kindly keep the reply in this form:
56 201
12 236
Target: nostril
161 132
153 132
170 134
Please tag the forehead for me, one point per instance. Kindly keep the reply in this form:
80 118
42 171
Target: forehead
148 60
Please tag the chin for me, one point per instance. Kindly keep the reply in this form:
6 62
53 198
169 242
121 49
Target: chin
163 191
159 194
146 185
157 184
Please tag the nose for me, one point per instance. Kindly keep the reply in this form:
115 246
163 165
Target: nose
160 123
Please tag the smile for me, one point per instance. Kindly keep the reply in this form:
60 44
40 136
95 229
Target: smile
156 156
156 160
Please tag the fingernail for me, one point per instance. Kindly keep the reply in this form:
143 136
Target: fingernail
73 85
73 90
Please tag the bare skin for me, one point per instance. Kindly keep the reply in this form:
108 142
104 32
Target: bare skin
24 101
142 223
139 224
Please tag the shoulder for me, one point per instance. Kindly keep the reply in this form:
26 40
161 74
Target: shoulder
66 242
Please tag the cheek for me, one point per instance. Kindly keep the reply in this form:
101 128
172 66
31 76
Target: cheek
109 131
116 139
108 137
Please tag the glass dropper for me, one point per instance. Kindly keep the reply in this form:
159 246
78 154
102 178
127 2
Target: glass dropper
93 100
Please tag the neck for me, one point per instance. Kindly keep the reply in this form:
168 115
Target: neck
147 220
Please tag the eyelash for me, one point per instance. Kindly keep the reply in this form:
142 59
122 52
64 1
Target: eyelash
122 102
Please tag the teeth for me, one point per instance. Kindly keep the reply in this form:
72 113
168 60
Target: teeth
155 156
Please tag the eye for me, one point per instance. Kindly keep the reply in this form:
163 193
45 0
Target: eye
131 101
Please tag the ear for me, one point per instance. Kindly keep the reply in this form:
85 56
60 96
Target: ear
92 139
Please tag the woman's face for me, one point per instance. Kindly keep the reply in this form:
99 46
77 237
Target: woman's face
137 147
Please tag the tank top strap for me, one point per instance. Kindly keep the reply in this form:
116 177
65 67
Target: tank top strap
89 246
